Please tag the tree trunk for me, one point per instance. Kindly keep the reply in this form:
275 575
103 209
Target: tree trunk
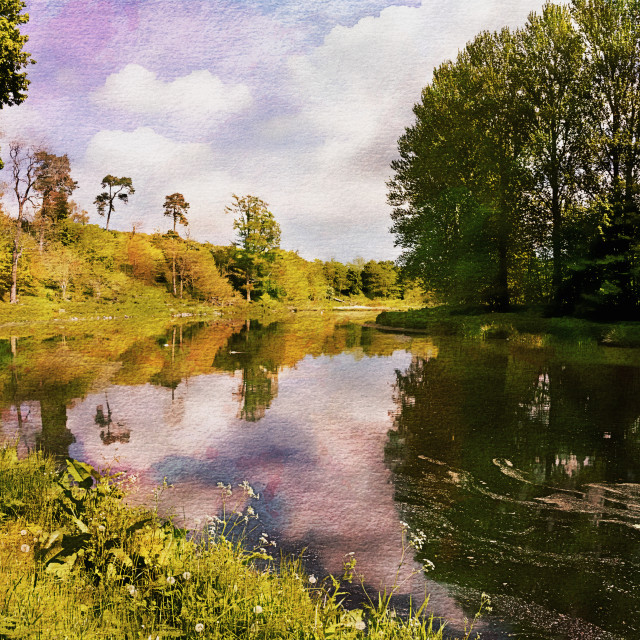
41 242
173 271
248 290
556 244
13 296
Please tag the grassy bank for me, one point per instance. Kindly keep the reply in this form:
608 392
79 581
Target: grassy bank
77 562
513 326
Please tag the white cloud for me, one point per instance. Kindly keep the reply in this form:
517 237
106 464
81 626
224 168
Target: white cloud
197 99
322 159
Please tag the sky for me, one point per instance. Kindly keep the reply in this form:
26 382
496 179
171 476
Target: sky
298 102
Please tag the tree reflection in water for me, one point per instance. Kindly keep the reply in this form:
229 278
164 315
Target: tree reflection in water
519 464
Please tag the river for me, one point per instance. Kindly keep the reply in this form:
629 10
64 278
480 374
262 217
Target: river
512 465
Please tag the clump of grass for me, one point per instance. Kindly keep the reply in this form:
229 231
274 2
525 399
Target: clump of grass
77 562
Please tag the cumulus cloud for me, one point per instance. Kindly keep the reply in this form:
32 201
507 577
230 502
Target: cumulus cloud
198 99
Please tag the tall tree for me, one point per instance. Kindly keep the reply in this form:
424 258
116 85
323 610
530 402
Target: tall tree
54 184
556 92
258 237
456 185
176 207
24 165
611 33
500 120
120 188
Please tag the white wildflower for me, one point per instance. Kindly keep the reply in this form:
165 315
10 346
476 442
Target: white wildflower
257 609
360 625
23 532
312 579
186 575
101 527
131 589
171 580
25 548
246 487
199 627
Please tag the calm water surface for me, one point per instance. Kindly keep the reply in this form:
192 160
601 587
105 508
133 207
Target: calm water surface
517 463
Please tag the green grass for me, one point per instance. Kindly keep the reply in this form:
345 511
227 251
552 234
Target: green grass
76 562
525 326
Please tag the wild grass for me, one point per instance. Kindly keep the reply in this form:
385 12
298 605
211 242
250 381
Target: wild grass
77 562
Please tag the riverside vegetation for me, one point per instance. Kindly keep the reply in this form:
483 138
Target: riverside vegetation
77 562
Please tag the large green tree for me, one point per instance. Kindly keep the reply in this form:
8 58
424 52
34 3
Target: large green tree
258 238
120 188
13 90
457 183
556 89
54 184
13 58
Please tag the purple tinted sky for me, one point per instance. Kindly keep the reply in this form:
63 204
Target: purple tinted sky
300 103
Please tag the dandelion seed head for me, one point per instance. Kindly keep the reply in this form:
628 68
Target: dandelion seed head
171 580
312 579
23 532
199 627
257 609
25 548
186 575
360 625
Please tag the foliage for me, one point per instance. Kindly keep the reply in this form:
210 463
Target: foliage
176 207
518 180
13 59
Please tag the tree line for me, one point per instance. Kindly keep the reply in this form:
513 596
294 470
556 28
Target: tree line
518 181
49 250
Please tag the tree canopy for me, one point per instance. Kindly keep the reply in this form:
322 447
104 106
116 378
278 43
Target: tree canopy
257 239
176 207
13 58
120 188
518 181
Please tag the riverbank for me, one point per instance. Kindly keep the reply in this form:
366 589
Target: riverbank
510 326
77 562
157 308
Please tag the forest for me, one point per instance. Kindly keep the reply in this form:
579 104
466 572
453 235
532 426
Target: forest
517 184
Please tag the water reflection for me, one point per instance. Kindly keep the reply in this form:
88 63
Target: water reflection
519 464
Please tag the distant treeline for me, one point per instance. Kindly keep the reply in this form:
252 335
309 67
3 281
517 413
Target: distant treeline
518 183
79 261
50 251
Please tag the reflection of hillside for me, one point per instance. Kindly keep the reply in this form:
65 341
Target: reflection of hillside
511 460
182 352
260 352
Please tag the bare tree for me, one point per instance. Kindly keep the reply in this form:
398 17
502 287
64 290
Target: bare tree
23 167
